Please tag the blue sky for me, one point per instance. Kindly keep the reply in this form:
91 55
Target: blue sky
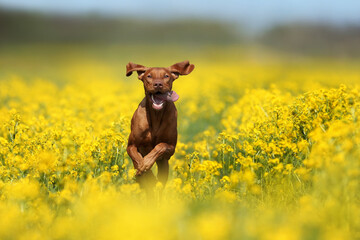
252 13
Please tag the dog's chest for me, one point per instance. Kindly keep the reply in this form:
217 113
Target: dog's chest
150 137
148 142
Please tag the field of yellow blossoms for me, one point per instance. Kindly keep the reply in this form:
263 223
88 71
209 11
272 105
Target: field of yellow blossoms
269 148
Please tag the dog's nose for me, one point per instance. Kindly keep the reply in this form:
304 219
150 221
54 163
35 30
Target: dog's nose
158 85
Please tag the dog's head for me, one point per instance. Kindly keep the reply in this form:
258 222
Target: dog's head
158 81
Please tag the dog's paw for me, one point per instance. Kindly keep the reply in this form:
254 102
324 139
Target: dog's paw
138 173
140 169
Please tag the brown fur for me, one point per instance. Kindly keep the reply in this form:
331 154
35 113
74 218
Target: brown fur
153 134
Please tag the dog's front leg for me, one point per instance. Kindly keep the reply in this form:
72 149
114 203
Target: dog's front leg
136 157
161 150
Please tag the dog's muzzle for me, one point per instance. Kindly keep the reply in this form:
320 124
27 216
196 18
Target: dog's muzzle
158 99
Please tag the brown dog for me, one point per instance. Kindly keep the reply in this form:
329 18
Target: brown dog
153 134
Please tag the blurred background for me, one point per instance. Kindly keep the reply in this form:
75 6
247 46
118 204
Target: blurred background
121 31
322 27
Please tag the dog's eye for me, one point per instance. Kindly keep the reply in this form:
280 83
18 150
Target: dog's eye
149 76
166 76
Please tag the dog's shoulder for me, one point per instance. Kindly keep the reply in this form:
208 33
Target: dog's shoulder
141 109
139 120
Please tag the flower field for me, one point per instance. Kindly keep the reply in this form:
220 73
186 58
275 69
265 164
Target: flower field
267 149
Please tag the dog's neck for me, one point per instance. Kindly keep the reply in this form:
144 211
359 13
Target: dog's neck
154 116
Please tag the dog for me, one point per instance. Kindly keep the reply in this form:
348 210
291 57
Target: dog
153 133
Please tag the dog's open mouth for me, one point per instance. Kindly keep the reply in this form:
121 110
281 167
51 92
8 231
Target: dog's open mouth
159 99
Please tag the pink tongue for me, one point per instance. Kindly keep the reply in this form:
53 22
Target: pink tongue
173 97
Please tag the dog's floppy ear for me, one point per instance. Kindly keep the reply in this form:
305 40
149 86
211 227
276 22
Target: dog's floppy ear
130 67
181 68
